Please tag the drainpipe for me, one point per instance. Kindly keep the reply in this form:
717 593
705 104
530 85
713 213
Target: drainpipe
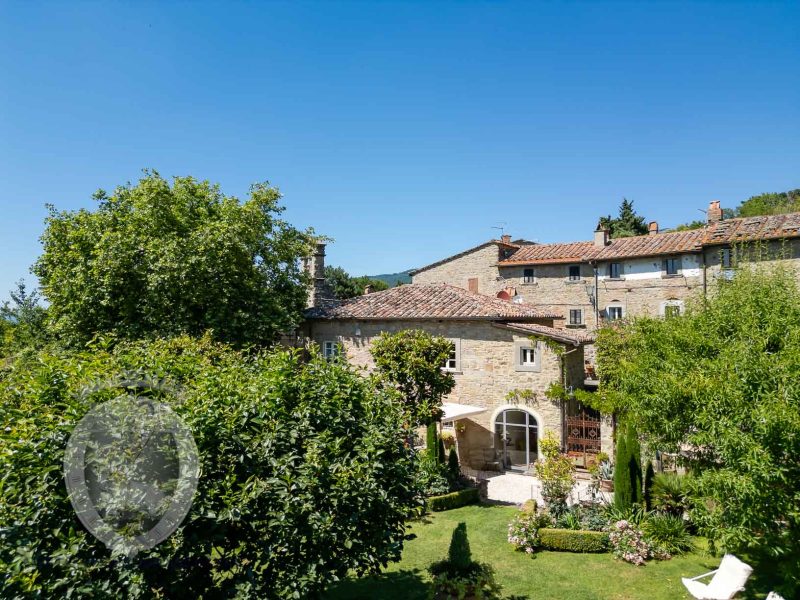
596 295
705 274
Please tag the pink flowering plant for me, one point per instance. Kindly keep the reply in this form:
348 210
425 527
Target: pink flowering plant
523 531
629 544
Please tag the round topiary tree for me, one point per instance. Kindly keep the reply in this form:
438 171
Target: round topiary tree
304 475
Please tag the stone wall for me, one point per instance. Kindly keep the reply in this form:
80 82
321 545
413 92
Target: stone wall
480 264
486 376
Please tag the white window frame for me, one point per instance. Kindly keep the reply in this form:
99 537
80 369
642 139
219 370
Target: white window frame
528 366
670 304
331 349
532 279
615 305
456 368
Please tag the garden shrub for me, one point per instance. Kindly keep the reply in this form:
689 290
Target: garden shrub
569 540
453 468
668 534
432 475
459 576
305 475
557 474
591 518
649 475
523 531
629 544
453 500
670 493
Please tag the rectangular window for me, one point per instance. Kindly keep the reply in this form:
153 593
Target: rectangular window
575 316
330 349
575 273
472 284
672 266
614 270
614 313
671 310
453 362
527 357
725 258
527 275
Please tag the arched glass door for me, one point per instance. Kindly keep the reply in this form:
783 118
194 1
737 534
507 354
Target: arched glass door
515 436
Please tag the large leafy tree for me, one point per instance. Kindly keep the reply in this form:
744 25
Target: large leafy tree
410 361
770 204
722 381
305 475
627 223
345 286
161 258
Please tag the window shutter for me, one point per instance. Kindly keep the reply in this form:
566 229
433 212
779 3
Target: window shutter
472 284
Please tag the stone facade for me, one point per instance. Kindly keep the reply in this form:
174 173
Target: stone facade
479 263
486 373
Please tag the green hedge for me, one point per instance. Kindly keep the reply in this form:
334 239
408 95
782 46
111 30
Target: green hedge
453 500
573 540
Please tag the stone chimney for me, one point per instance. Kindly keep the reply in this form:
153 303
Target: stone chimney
368 289
505 238
601 236
652 228
714 213
315 267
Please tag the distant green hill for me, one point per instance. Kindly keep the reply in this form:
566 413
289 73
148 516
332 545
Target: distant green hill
391 279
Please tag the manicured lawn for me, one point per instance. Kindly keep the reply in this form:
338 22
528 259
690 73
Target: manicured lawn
550 575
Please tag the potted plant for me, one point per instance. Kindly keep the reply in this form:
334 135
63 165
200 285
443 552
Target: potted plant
605 471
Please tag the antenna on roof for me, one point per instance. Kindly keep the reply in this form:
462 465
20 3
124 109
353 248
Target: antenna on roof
501 227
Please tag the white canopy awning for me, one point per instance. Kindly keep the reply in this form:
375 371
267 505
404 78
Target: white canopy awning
454 412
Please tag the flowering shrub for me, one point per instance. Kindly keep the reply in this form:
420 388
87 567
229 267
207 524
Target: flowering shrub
629 544
523 531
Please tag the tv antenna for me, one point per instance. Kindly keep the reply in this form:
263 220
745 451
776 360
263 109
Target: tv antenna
501 227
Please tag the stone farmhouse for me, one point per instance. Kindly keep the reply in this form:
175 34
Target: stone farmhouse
499 348
590 282
521 316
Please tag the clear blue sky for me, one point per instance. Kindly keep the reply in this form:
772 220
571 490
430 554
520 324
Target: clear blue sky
405 131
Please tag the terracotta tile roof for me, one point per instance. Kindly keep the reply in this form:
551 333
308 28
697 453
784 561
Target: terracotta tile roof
512 246
728 231
571 336
432 301
651 245
753 228
550 253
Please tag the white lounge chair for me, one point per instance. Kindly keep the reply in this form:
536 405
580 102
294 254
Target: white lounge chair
728 580
774 596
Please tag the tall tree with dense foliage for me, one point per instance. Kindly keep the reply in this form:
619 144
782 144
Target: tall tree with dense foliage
722 380
345 286
305 475
161 258
627 223
411 362
628 468
23 320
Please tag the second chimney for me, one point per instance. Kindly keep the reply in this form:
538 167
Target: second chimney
652 228
601 235
714 213
505 238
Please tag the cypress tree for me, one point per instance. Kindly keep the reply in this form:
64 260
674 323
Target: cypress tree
432 440
622 477
459 556
649 475
635 461
453 470
442 456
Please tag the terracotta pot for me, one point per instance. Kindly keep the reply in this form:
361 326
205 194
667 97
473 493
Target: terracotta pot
606 485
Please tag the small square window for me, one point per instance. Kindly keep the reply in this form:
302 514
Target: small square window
672 310
614 313
575 316
527 357
528 275
331 349
672 266
614 270
575 273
